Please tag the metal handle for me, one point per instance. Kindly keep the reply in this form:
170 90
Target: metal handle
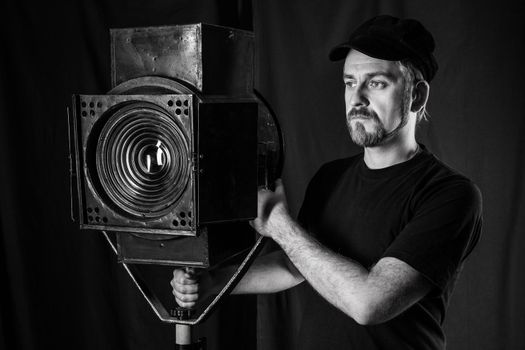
157 305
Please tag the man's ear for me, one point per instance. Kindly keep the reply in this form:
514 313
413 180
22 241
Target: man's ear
419 95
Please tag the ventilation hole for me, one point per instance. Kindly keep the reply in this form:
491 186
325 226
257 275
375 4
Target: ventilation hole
91 104
183 223
186 103
105 219
170 103
177 111
178 103
97 219
89 210
83 104
189 223
189 214
182 214
84 113
186 111
92 112
97 210
175 223
99 104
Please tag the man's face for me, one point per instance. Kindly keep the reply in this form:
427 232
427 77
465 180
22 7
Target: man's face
374 98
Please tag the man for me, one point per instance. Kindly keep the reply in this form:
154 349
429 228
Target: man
381 236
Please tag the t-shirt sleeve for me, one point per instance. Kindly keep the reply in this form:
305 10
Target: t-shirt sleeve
443 231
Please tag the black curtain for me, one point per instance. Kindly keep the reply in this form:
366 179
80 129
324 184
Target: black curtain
63 287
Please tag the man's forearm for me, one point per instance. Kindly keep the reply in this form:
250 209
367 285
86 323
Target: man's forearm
338 279
269 273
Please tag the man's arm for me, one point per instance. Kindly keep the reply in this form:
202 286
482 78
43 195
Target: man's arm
269 273
368 296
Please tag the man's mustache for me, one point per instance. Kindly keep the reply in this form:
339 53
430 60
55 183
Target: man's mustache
362 114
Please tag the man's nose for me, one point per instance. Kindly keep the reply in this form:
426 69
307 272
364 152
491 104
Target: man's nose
358 98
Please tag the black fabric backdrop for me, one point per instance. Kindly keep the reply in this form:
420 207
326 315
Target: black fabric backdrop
63 287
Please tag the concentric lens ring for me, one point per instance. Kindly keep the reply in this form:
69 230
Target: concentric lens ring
143 160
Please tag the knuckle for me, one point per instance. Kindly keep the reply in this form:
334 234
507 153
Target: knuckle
190 288
182 303
184 297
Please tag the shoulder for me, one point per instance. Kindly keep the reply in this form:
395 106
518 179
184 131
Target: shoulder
439 183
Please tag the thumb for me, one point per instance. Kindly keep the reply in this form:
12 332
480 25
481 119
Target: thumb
279 187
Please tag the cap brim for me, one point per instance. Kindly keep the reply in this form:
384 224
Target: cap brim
370 46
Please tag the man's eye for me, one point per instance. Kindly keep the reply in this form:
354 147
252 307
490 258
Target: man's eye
350 83
374 84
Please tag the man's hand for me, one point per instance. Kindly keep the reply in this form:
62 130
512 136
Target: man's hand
272 211
189 286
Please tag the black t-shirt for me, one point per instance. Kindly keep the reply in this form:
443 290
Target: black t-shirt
421 212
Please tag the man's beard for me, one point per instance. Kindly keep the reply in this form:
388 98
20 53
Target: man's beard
379 134
359 135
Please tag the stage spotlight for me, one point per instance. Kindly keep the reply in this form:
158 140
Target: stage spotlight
171 158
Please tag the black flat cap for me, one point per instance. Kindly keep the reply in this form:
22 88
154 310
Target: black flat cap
392 39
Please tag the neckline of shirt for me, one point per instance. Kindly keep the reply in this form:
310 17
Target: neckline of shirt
393 170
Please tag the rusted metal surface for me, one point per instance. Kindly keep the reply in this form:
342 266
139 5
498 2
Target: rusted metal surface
213 59
164 250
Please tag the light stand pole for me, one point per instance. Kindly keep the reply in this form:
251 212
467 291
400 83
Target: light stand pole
183 338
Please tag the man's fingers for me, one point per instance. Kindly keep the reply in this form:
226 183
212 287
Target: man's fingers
184 285
186 288
279 187
183 282
185 300
185 305
182 277
185 297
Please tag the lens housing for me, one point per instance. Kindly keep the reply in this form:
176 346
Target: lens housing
142 160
